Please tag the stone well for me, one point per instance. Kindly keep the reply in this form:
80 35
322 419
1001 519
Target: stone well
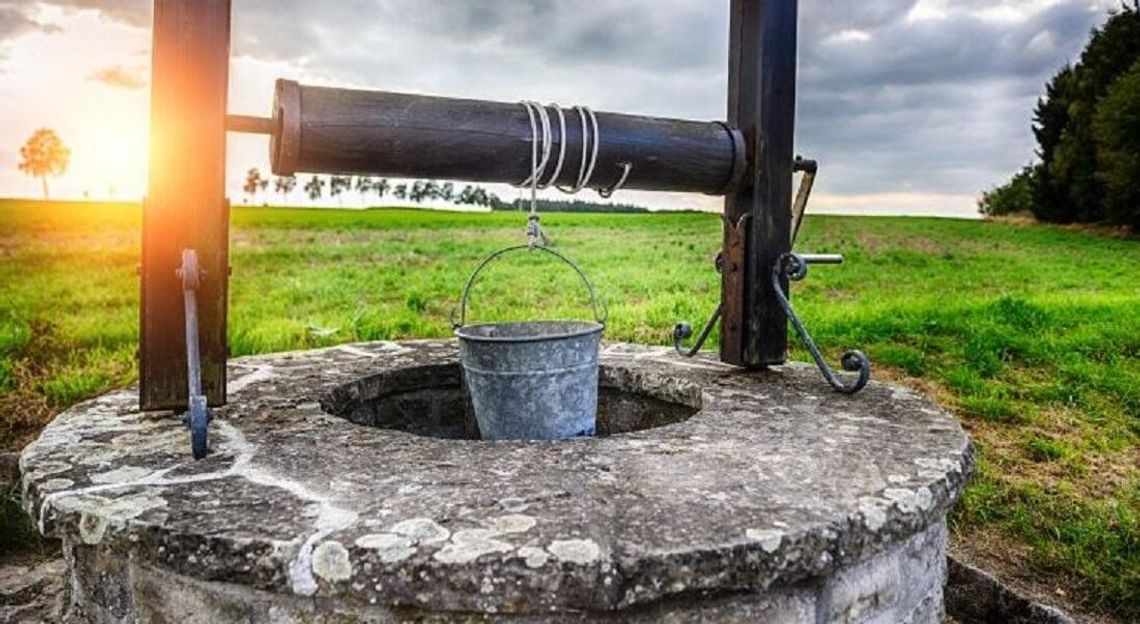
344 486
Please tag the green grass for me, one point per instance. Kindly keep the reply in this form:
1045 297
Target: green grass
1030 333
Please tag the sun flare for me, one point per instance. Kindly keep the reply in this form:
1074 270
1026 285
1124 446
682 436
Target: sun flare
111 157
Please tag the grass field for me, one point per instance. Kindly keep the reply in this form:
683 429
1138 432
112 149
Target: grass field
1031 334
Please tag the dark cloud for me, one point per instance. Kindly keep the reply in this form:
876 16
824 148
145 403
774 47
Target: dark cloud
936 105
958 48
15 22
120 77
922 96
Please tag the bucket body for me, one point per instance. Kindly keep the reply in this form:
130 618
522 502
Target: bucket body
533 380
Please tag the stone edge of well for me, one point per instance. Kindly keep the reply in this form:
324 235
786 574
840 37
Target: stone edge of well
898 518
974 595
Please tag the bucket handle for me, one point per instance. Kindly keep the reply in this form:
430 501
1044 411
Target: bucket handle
600 318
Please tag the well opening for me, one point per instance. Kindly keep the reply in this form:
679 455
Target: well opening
431 401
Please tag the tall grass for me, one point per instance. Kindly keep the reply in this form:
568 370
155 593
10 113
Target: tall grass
1030 333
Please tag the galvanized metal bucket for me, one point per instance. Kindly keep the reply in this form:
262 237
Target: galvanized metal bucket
533 380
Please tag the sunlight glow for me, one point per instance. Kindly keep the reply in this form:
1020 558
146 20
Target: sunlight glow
111 157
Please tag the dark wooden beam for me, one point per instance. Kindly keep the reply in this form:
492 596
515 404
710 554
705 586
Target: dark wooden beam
185 205
346 131
762 104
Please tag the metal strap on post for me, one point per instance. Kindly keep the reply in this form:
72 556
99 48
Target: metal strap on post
197 417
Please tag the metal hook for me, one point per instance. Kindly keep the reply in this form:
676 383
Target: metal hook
795 268
608 193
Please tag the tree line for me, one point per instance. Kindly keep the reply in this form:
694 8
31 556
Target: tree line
1087 127
417 191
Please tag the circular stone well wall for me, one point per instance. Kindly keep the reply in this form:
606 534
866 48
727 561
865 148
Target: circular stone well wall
717 495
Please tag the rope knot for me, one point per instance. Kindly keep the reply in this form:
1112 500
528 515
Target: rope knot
534 232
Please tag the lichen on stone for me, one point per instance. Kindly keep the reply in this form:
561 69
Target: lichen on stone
331 562
579 551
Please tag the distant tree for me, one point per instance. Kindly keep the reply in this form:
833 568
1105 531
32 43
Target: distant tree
431 190
401 191
447 191
1049 120
475 195
254 182
1070 188
284 185
1116 127
418 191
480 197
315 187
381 187
1081 174
338 185
1016 196
44 154
363 185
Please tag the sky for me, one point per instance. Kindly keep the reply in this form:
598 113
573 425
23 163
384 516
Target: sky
911 106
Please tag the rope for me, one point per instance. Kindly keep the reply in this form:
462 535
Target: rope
539 119
586 167
536 113
561 146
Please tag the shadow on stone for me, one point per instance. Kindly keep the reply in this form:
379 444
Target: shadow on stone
430 401
974 596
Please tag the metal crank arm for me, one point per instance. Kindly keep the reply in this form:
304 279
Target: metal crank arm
197 417
795 268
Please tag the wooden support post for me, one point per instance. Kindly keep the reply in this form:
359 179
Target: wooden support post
186 205
762 104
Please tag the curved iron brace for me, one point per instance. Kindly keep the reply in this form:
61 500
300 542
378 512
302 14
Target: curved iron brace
795 268
683 331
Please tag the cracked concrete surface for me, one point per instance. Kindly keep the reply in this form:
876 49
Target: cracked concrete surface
769 492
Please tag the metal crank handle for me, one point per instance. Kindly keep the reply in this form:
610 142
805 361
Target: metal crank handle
794 267
822 258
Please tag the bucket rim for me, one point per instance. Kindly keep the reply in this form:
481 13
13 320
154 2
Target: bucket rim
588 327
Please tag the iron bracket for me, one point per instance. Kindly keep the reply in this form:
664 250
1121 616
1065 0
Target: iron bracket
683 330
795 268
197 417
